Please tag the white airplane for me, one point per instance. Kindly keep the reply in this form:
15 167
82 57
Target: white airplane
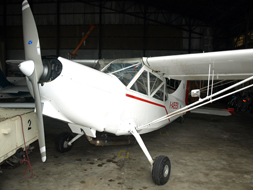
127 97
13 87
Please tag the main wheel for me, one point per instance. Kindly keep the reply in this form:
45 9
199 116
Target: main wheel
61 142
161 170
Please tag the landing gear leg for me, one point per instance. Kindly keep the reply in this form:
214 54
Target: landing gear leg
160 166
142 145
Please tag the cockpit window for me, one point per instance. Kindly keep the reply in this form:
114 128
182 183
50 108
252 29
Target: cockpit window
141 84
124 69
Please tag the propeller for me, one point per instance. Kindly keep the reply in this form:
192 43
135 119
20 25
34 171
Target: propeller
32 68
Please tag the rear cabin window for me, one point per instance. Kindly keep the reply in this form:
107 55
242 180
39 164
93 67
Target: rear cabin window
159 93
172 85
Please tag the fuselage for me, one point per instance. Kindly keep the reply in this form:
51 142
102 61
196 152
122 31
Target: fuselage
100 101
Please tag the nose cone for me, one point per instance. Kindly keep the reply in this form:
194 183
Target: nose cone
27 67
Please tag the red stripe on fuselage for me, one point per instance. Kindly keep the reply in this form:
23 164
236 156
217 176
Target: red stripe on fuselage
149 102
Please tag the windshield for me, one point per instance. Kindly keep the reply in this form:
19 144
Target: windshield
124 69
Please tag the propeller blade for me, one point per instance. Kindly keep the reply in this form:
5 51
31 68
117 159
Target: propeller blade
33 67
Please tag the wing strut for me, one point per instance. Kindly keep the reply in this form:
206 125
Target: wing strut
201 102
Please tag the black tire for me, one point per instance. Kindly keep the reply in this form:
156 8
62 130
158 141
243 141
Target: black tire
161 170
61 142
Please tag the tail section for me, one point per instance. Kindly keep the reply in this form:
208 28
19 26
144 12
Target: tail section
182 92
3 81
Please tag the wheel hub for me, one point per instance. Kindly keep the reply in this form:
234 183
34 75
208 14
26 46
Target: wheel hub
65 144
166 171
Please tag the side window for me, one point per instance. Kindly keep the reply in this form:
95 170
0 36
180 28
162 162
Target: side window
155 89
172 85
141 84
159 94
154 82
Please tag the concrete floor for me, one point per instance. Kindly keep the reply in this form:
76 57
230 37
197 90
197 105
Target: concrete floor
206 152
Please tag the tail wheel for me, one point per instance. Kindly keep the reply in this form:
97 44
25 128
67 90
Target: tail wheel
161 170
62 141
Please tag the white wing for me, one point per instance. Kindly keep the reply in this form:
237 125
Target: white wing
236 64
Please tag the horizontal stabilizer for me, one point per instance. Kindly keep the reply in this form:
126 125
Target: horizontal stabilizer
214 111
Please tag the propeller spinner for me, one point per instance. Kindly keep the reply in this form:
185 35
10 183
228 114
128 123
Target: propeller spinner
33 67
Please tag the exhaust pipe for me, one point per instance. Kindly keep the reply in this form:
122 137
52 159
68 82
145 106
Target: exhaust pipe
111 141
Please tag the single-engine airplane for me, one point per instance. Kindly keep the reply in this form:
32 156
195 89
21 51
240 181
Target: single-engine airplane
15 88
127 97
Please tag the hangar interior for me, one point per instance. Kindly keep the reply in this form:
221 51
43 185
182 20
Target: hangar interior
206 152
128 28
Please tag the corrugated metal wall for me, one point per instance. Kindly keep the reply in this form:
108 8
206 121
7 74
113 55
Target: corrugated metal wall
121 35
